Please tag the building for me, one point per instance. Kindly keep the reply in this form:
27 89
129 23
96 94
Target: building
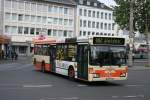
94 18
26 19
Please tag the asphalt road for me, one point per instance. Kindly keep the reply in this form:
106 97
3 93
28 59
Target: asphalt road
19 81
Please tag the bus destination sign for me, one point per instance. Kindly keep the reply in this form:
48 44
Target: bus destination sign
108 40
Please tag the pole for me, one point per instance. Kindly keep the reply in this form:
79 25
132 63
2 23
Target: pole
130 55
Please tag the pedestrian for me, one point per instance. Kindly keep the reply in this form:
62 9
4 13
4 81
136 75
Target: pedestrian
12 55
16 55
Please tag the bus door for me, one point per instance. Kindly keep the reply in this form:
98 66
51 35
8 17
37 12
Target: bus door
52 58
82 61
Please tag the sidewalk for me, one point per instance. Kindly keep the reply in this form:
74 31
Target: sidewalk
139 64
20 59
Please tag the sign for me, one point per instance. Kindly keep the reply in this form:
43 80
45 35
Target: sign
108 40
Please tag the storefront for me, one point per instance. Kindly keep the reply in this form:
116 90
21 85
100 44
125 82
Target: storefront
4 45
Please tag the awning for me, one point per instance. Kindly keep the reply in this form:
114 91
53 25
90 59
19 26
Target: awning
4 39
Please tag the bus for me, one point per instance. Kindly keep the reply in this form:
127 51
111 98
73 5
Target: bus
84 58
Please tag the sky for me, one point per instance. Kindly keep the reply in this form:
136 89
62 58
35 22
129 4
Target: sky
108 2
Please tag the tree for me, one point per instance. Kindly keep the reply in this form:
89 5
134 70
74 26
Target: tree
141 21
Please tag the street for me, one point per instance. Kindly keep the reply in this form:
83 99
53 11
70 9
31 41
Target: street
19 81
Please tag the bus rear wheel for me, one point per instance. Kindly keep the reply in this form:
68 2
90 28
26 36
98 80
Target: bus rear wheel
71 73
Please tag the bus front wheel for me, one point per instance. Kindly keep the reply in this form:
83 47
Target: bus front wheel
71 73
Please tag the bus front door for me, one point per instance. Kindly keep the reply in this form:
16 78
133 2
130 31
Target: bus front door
52 58
82 60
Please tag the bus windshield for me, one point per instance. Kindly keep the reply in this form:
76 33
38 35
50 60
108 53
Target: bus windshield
107 55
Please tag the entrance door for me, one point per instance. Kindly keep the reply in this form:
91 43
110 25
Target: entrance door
52 58
82 60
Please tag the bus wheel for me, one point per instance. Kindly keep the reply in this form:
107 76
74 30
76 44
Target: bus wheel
43 67
71 73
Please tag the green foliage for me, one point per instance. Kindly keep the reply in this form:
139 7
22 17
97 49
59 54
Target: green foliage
141 14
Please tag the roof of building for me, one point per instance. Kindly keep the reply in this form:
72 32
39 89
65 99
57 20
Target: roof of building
99 4
68 2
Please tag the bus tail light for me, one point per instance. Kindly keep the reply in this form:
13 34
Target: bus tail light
90 70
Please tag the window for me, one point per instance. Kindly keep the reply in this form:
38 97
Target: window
70 34
85 12
80 23
60 21
80 33
89 13
38 19
105 26
84 23
45 8
89 24
70 22
14 5
93 24
38 30
7 16
27 18
55 10
95 4
39 6
65 22
33 7
49 32
27 6
102 15
54 32
14 16
7 29
20 17
84 33
97 33
60 33
20 30
21 5
65 33
14 29
44 19
32 31
113 25
101 25
7 4
26 30
109 26
93 13
89 33
105 15
93 33
97 14
50 20
65 10
55 21
81 1
50 8
80 12
60 10
109 16
97 25
88 3
32 18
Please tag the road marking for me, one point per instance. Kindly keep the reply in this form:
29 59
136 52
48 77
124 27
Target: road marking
61 98
133 85
37 86
81 85
129 96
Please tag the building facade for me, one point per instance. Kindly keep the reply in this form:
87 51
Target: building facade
94 18
25 19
